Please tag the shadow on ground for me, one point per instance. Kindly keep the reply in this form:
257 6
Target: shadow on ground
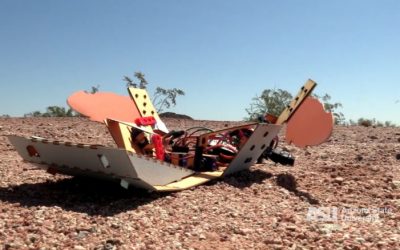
102 198
246 178
289 182
84 195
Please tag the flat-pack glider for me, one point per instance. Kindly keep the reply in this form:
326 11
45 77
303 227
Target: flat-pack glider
150 156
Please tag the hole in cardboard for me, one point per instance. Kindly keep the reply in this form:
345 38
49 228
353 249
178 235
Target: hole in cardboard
144 104
248 160
266 134
104 161
263 146
252 147
136 96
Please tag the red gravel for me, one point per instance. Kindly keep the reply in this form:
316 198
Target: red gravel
257 209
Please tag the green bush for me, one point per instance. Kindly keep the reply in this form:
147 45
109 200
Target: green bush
272 101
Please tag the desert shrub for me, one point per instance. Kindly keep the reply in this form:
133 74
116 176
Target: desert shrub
333 108
365 122
162 98
272 101
389 124
375 123
53 111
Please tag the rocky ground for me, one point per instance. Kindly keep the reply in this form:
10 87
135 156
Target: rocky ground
354 177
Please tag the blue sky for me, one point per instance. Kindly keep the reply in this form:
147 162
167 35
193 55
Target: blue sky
222 53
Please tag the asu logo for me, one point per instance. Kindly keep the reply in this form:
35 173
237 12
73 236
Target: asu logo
325 214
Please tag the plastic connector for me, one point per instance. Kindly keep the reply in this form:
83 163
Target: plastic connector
158 146
145 121
281 157
278 156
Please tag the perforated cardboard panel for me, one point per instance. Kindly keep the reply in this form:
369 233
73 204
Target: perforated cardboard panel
145 106
97 161
296 102
156 172
65 155
255 145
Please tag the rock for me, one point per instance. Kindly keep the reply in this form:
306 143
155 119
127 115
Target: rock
79 248
323 156
245 231
291 228
396 184
177 244
374 168
82 234
359 158
397 156
381 243
338 180
360 240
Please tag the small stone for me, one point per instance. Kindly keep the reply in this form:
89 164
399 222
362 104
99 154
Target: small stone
396 184
360 240
324 156
245 231
82 234
79 248
375 168
291 228
381 243
397 156
338 180
177 244
115 226
212 236
202 237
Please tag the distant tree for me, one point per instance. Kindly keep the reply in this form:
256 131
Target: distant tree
272 101
389 124
365 122
34 114
352 122
162 98
56 111
139 76
95 89
379 124
53 111
375 123
165 98
332 107
5 116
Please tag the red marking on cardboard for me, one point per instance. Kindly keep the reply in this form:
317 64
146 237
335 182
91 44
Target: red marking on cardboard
158 146
145 121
